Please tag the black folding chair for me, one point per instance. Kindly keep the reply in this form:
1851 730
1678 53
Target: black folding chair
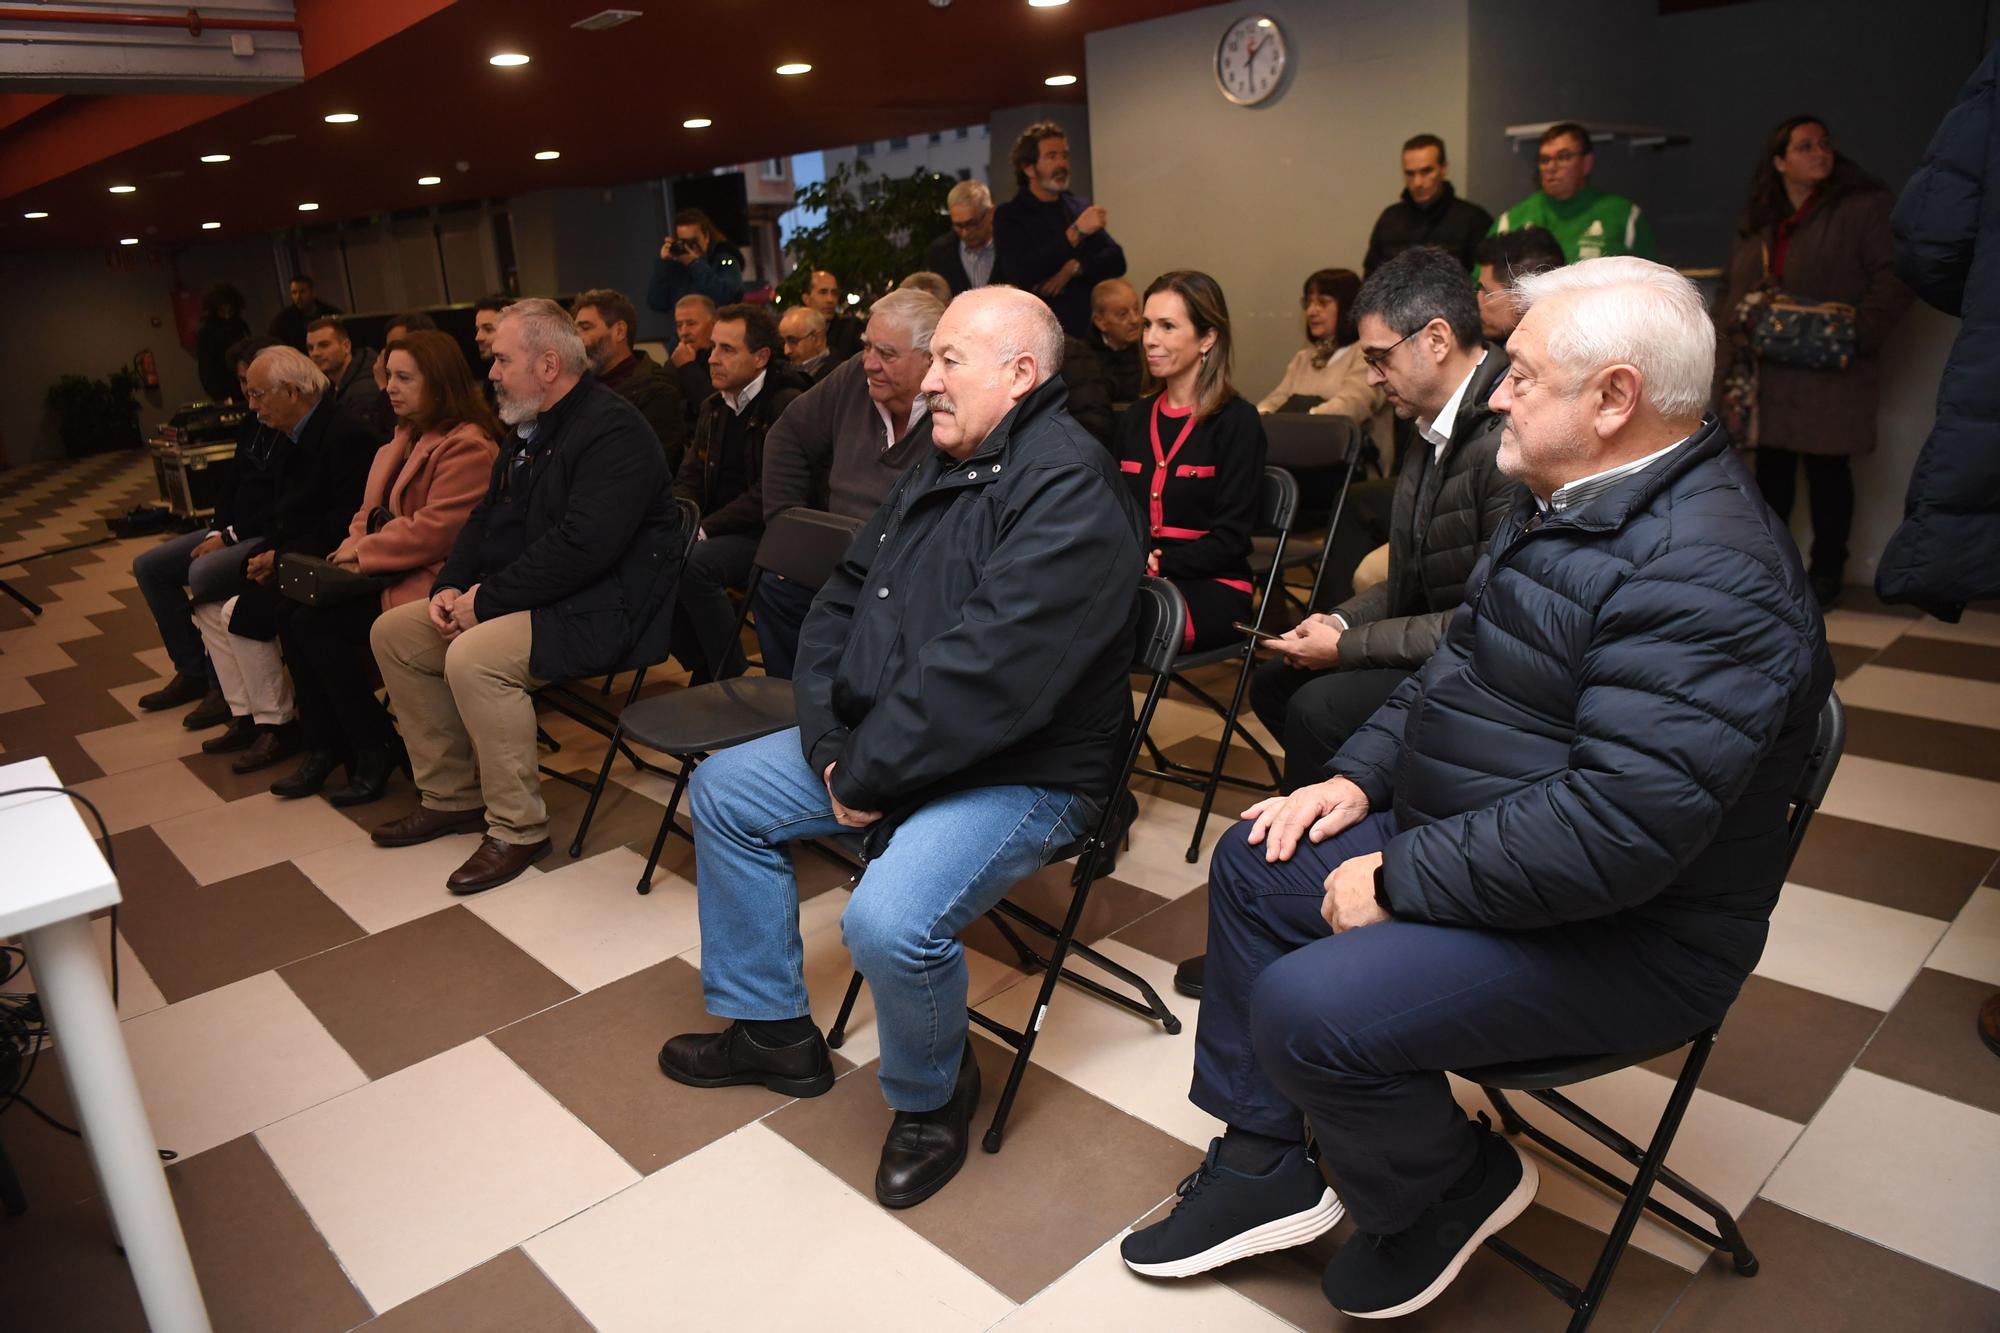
1296 441
1538 1078
803 546
1162 617
1277 507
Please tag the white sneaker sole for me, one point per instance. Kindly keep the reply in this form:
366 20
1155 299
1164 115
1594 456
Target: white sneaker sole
1278 1234
1510 1208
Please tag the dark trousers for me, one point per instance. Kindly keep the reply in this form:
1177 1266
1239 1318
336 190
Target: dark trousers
173 582
1355 1031
333 677
1213 610
1364 525
704 617
1829 492
1312 713
780 608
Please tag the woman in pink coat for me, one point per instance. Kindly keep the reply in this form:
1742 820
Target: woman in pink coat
423 485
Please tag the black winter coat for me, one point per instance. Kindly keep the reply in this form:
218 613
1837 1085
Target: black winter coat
604 540
1614 721
1448 222
1443 515
320 480
979 630
701 473
1031 241
1947 225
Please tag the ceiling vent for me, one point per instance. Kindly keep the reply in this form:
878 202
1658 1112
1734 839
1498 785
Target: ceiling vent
608 18
270 139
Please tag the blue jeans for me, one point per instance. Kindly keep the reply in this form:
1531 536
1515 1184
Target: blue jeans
172 582
949 862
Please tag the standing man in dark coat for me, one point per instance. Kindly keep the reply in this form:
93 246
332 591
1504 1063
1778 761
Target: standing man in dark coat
1013 543
563 570
1566 833
605 320
1429 213
1047 240
288 326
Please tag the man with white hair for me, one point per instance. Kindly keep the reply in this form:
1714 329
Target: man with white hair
843 444
564 569
802 334
962 697
1564 835
964 256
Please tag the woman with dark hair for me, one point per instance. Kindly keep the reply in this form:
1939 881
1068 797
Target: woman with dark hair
424 484
1193 451
221 328
1326 378
1816 228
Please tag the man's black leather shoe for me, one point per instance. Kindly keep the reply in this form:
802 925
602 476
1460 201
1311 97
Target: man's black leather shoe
182 689
1190 974
212 711
925 1149
730 1057
308 777
242 734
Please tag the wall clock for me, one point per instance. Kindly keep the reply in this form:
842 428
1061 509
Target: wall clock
1250 60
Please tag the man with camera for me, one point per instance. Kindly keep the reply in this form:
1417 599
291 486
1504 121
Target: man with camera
697 260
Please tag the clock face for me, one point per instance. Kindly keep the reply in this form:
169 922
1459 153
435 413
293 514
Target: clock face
1250 61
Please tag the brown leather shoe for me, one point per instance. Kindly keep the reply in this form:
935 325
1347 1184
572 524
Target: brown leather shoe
273 745
494 864
242 734
424 823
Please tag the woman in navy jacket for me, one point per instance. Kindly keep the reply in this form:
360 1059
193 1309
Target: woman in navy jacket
1193 452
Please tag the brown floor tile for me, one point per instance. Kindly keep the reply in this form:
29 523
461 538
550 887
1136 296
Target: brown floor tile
1922 742
1112 904
62 1273
420 988
623 816
507 1294
1489 1295
1861 597
1782 1049
216 775
1849 658
54 1167
1944 657
1178 930
401 799
1876 864
599 1055
46 728
1813 1276
1009 1217
1931 1039
1200 751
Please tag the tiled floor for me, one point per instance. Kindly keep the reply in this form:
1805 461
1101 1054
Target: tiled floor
398 1109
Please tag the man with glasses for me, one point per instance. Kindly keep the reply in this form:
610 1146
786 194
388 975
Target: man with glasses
803 333
1587 222
964 255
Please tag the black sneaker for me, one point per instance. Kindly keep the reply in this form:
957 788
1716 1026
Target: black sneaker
1381 1277
1225 1215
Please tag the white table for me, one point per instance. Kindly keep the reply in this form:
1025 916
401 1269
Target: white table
52 877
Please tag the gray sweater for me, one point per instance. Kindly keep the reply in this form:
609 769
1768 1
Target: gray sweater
831 451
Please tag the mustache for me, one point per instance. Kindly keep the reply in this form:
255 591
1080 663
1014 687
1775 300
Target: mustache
938 402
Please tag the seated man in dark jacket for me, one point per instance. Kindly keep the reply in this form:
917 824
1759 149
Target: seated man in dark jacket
605 320
1564 835
563 570
723 473
1013 543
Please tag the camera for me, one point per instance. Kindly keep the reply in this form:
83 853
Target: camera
679 247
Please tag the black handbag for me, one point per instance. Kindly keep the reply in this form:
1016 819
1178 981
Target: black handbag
321 583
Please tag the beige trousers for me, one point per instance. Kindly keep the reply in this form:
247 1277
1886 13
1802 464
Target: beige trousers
466 713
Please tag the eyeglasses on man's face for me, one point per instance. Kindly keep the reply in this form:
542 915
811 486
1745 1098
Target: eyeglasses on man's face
1378 357
1561 159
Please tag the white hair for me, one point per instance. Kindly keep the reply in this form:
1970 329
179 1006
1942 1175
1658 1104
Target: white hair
970 192
1622 310
546 327
912 309
293 369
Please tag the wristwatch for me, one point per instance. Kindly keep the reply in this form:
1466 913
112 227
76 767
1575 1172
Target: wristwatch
1382 891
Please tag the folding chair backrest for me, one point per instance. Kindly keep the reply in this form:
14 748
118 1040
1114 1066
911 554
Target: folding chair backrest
1298 440
690 513
1162 624
1817 775
1277 501
804 546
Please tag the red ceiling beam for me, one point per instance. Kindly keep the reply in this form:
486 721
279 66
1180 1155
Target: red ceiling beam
192 22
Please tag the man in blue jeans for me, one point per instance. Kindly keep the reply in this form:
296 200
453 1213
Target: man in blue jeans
962 700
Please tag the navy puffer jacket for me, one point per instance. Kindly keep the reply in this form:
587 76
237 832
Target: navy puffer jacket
1615 719
1947 225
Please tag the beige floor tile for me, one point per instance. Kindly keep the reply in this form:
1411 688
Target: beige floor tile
1102 1293
233 1060
585 921
137 992
220 841
1975 627
1114 1053
32 651
156 661
1865 630
438 1167
1846 948
633 1259
1940 805
128 695
1971 947
16 692
382 887
1905 1168
153 738
1924 694
159 792
1157 859
1724 1147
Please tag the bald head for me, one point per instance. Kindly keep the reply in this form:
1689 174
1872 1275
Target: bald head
1115 311
993 347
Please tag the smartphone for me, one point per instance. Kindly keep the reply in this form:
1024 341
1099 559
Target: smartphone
1254 632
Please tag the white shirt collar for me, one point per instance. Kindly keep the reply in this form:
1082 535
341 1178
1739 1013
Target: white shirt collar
1585 489
919 406
743 397
1438 429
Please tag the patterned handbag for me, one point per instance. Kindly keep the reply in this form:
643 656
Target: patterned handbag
1813 335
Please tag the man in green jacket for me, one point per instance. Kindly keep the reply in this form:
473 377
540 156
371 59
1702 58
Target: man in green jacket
1587 222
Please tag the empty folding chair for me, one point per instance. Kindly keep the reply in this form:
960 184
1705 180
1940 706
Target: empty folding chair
1297 441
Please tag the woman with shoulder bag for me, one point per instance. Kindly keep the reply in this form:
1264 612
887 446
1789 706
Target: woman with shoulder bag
424 484
1810 296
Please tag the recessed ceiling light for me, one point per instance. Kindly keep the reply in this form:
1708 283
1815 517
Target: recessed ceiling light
507 59
697 123
128 240
35 216
1060 80
342 118
308 208
795 67
547 155
1046 4
123 189
430 180
211 226
215 157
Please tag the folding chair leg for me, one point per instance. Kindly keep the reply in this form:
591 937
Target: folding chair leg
666 827
838 1032
1229 728
596 791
